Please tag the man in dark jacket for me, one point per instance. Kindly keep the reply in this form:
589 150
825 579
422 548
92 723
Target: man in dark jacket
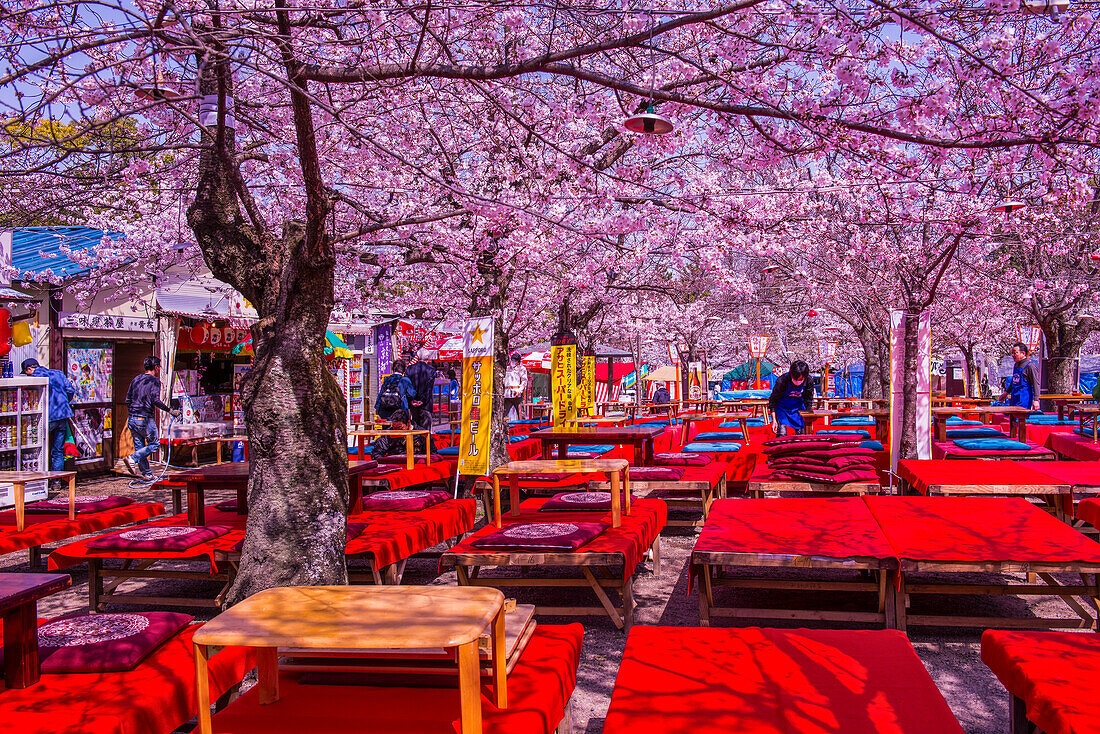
1023 387
60 408
422 376
142 399
793 392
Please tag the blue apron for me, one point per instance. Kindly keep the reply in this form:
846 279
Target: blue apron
789 406
1019 387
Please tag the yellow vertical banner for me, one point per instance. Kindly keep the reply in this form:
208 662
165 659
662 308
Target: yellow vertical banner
563 380
586 392
477 396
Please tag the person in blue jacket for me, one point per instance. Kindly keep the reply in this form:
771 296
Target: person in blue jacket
793 392
60 408
1023 386
394 392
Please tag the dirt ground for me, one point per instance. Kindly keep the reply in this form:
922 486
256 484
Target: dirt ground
951 655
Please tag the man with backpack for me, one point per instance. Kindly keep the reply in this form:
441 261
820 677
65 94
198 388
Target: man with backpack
422 376
394 392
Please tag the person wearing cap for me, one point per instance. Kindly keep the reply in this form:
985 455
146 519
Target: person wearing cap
515 385
60 408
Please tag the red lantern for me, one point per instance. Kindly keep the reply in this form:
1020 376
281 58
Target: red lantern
811 313
199 334
5 331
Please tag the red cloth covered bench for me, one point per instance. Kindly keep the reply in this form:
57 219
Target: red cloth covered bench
1074 446
617 550
539 688
41 528
1089 511
156 697
437 471
529 448
772 681
1052 677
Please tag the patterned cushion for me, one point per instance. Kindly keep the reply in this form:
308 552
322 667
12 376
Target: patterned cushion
101 643
403 499
657 473
158 537
578 502
83 505
681 459
851 433
541 536
850 475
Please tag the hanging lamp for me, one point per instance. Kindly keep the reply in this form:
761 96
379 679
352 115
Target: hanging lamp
649 123
1007 206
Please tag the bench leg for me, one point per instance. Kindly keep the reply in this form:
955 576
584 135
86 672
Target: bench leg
565 726
657 556
1017 715
95 584
706 596
628 602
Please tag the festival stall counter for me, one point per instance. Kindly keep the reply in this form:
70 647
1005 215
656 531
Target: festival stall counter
24 430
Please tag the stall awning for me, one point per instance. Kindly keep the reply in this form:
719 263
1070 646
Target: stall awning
205 299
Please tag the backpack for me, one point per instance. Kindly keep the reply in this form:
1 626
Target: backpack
389 396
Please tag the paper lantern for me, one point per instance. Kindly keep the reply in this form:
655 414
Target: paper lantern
5 331
199 334
215 336
229 336
811 313
21 333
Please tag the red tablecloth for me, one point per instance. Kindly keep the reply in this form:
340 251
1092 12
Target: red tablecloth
1056 675
394 536
529 448
41 528
1078 474
1089 511
156 697
1074 446
437 471
78 552
771 681
948 450
631 539
828 527
538 688
967 529
923 474
712 474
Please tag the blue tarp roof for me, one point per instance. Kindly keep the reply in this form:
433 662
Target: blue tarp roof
38 249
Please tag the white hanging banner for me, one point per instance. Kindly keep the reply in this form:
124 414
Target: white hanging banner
923 415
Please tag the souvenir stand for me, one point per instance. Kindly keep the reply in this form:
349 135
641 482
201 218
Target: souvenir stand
23 433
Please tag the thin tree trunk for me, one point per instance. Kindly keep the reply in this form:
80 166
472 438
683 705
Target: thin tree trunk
908 448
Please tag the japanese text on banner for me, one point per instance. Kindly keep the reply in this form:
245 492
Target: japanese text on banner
477 396
563 382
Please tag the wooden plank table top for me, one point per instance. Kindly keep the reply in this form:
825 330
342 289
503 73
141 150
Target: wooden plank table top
611 467
19 481
233 475
998 477
361 617
19 595
640 437
409 436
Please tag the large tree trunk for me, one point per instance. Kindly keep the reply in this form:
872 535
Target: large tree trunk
1063 344
293 408
908 448
872 365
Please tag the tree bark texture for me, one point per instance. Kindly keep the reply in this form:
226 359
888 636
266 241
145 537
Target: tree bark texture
908 447
1063 345
293 407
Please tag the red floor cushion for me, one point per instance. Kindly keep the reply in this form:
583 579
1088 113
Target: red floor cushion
657 473
97 643
681 459
841 477
159 537
578 502
88 503
536 536
403 499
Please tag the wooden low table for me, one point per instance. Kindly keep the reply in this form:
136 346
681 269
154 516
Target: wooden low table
598 421
1017 417
357 618
1003 478
1086 413
741 418
640 437
410 438
231 439
233 475
19 595
19 481
542 409
612 467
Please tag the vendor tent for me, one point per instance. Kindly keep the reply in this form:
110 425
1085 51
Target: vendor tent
747 371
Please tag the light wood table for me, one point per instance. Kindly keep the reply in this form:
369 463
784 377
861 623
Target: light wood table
598 421
230 439
1017 418
742 418
357 618
882 420
612 467
1085 412
19 481
543 409
410 438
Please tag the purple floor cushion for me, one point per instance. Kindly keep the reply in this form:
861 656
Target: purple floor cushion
88 503
381 470
657 473
418 458
159 538
681 459
403 499
227 506
101 643
578 502
848 475
541 536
